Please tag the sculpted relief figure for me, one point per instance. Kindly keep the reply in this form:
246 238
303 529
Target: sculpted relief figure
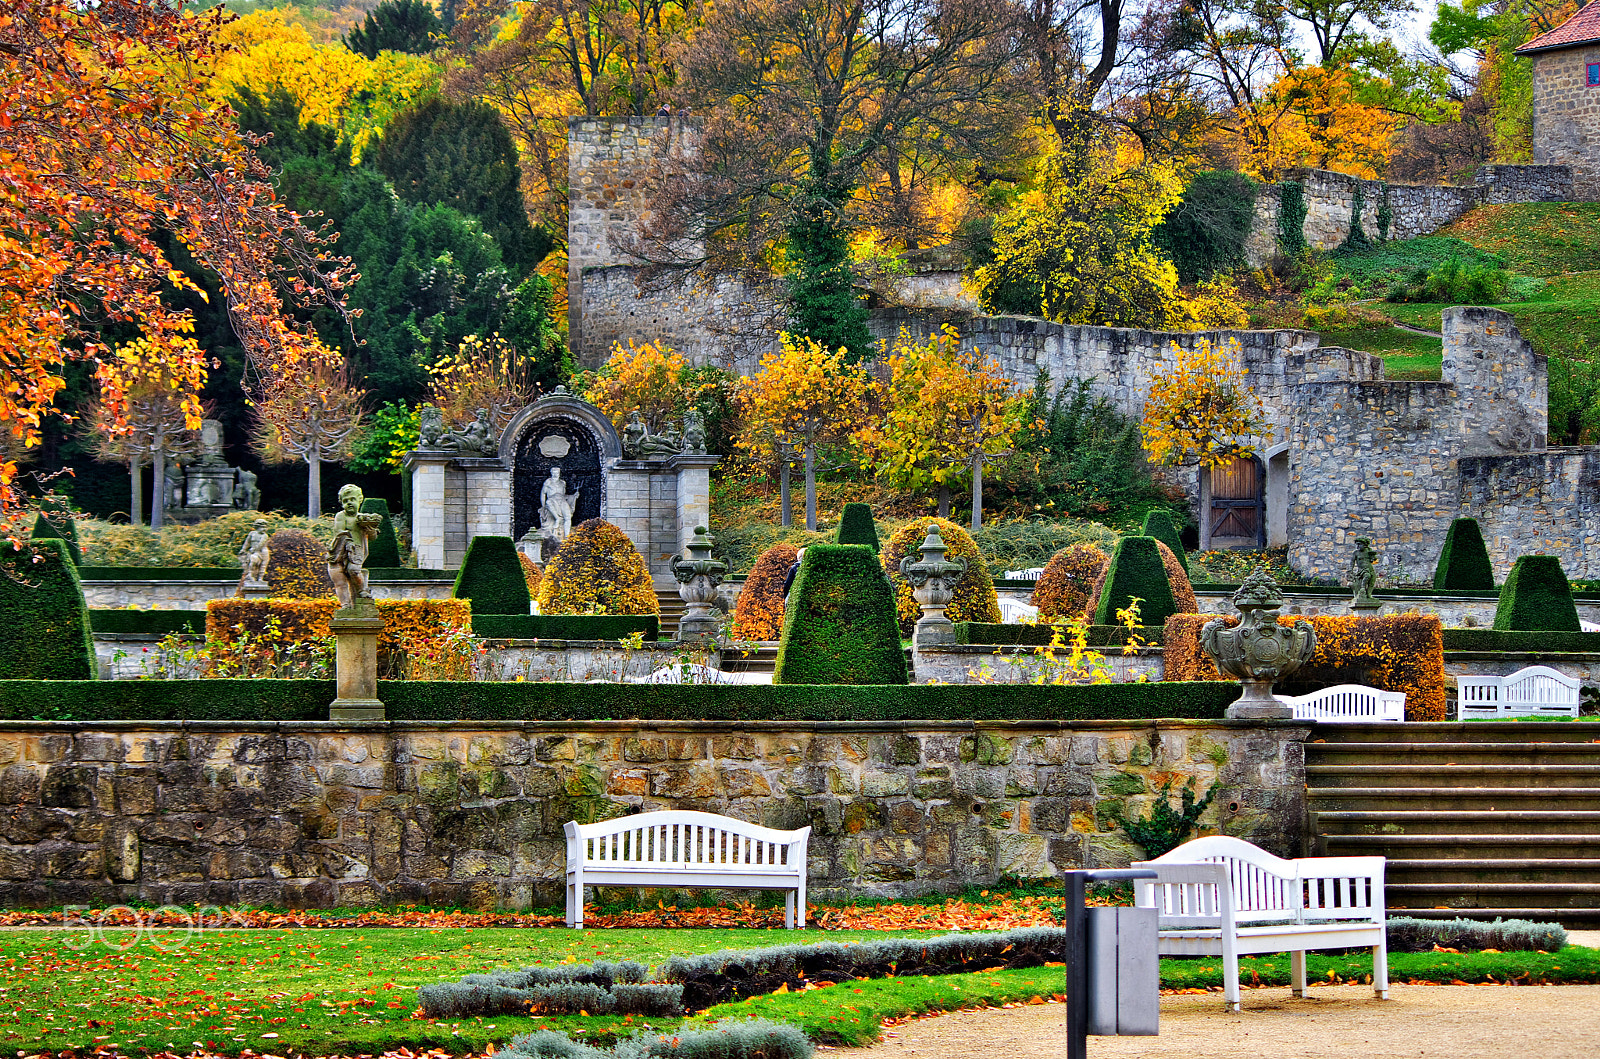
347 555
477 437
556 506
694 433
430 426
254 553
639 444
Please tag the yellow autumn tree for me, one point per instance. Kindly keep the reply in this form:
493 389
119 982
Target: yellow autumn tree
1321 124
1201 408
488 373
946 411
803 400
647 379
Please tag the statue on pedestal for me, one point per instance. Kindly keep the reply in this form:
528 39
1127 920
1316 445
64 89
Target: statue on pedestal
1364 576
556 506
476 438
246 494
254 553
347 555
694 433
639 444
430 426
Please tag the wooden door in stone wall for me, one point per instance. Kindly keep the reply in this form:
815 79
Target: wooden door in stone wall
1237 513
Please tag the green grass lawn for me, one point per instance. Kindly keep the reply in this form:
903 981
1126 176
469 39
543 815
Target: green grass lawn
1406 354
323 992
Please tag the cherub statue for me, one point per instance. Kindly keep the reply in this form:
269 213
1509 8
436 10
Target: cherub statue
246 494
476 437
430 425
694 433
347 556
1363 573
254 553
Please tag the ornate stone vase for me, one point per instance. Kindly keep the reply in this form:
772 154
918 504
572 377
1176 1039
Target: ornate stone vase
933 583
1258 651
698 576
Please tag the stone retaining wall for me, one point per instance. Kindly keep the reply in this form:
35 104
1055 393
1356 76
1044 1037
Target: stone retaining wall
194 595
470 813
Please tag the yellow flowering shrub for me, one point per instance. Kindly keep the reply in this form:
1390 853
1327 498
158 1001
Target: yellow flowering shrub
974 598
597 570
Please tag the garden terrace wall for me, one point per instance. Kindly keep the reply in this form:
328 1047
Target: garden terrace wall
171 588
1457 610
321 814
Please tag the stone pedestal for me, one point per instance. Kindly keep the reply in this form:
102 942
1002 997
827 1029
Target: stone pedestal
693 492
1366 610
254 590
355 629
699 576
427 470
1259 704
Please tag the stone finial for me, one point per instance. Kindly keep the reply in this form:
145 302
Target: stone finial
1258 651
933 584
698 577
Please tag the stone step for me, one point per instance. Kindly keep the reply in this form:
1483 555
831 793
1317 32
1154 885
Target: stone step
1448 847
1331 799
1454 774
1493 895
1431 754
1458 732
1568 917
764 659
1510 870
1393 822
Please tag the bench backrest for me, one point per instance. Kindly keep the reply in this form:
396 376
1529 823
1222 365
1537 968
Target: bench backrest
674 838
1348 702
688 673
1262 888
1541 684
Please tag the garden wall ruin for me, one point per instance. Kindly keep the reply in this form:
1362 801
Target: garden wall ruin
471 813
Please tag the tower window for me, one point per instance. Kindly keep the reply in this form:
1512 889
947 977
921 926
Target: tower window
1594 74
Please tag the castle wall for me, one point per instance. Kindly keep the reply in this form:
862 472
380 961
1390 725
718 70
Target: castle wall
1566 116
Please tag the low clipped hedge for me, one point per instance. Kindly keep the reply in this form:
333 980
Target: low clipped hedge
44 625
1521 641
233 573
151 622
426 700
1536 597
982 632
1464 559
600 988
1410 934
565 626
723 1039
840 627
491 577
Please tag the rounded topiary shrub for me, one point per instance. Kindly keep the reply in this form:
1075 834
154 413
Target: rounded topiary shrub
45 633
491 576
532 575
975 598
1537 597
385 547
841 626
856 526
597 570
758 614
1139 568
55 522
1464 560
298 568
1068 580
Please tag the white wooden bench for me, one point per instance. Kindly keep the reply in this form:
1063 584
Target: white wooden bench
1537 691
679 848
686 673
1221 896
1348 702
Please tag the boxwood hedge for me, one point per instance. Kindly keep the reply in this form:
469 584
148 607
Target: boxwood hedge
1521 641
385 547
1136 570
44 625
841 626
856 526
153 622
565 626
1464 560
1536 597
491 576
423 700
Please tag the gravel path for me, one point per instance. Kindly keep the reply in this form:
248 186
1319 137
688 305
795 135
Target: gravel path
1332 1022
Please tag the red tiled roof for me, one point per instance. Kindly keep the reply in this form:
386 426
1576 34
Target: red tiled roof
1581 28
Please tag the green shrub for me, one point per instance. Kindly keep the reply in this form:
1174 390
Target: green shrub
1022 545
1018 634
55 522
840 627
154 622
1453 283
1136 569
1536 597
298 568
464 700
491 577
1464 560
1292 210
565 626
1521 642
212 542
724 1039
44 623
385 547
856 526
1206 231
1409 934
158 573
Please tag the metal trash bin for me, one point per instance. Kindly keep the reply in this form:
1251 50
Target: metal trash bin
1113 969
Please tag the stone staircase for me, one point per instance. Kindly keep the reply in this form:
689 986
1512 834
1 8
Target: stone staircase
1477 819
672 608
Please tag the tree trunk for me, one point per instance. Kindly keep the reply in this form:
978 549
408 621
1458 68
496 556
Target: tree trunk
786 518
811 486
314 484
944 500
158 471
977 492
136 509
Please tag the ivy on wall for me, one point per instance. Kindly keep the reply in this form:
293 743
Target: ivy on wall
1292 217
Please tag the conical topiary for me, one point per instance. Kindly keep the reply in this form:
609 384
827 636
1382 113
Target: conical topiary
45 634
298 568
597 570
491 577
1464 560
856 526
1537 597
1136 569
55 521
841 626
1158 524
385 547
1183 598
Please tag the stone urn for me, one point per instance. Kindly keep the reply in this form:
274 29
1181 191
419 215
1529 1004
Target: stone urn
698 577
1258 651
933 582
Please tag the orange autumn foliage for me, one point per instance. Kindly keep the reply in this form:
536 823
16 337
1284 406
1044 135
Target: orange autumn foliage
758 614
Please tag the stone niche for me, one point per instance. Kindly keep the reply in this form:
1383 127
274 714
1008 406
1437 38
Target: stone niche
457 496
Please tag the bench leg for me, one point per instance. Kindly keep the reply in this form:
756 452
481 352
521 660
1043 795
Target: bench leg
1380 971
575 902
1297 972
788 909
1230 976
